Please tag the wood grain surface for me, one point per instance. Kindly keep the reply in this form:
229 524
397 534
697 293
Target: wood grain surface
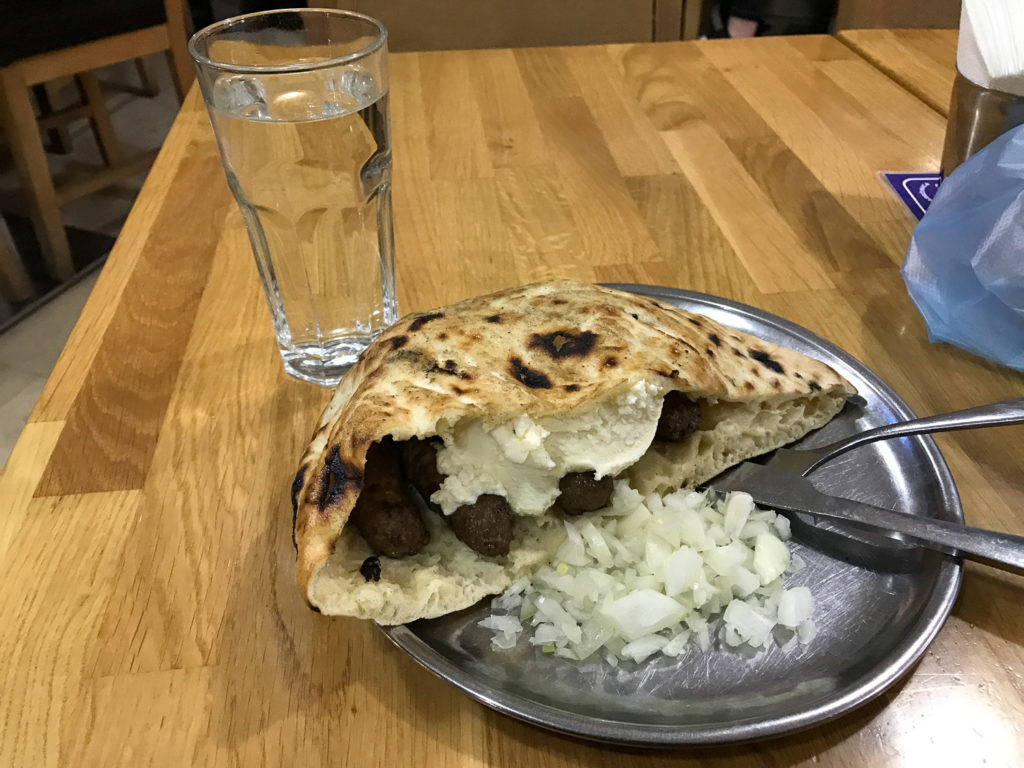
151 616
921 60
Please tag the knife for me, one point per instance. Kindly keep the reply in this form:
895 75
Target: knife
786 491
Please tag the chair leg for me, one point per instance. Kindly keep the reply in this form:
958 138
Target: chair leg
59 137
99 118
14 283
18 121
178 58
147 82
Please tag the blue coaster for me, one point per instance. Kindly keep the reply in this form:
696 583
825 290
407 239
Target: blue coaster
916 190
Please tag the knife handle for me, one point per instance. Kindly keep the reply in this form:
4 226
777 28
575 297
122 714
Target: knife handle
1001 550
999 414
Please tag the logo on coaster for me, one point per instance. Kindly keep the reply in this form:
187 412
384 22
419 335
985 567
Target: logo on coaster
916 190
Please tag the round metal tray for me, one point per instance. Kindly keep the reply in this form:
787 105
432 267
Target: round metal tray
872 625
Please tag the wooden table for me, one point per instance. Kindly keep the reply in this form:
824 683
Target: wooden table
921 60
150 610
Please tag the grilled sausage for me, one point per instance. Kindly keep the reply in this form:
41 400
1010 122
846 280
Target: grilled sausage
384 514
680 417
583 492
419 461
485 525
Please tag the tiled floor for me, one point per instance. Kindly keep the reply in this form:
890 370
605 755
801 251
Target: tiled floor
29 350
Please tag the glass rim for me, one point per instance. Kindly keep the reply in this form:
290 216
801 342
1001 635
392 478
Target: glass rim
305 66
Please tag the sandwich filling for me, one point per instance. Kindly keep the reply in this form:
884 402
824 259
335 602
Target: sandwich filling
479 478
523 461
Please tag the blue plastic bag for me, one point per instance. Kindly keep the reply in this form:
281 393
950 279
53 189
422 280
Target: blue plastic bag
964 268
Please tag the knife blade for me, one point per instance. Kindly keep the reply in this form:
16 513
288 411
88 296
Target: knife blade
788 492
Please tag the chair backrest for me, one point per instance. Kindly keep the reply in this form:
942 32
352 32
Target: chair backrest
898 14
179 28
414 25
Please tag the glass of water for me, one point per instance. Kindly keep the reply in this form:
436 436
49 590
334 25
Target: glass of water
298 100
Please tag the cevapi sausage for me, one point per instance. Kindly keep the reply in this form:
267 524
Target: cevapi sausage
485 525
680 417
384 514
583 492
419 461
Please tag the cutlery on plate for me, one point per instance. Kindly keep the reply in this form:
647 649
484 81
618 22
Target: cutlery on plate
789 492
803 461
865 535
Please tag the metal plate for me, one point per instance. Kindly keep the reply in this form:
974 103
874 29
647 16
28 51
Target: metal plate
872 625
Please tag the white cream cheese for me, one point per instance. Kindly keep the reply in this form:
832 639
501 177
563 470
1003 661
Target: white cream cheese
523 460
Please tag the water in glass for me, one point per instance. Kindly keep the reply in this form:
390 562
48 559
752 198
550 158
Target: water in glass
308 158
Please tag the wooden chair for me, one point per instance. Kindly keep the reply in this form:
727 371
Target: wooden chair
42 42
14 282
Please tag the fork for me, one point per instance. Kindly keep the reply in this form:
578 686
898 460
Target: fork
861 545
803 461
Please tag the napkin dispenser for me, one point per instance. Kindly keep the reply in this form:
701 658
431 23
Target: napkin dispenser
988 92
977 117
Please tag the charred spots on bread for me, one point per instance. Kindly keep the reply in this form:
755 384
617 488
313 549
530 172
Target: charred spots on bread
370 569
693 321
528 376
300 476
610 362
571 387
450 368
714 339
399 341
634 315
709 352
559 302
335 478
442 336
561 344
814 385
766 360
493 318
419 322
738 352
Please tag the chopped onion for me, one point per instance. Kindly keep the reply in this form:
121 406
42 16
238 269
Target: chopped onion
640 649
771 557
677 644
659 575
684 566
806 631
726 559
643 612
737 510
795 606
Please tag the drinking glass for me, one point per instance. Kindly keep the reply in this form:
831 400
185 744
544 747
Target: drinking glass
298 100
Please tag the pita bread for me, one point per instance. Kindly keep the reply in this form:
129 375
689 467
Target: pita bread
547 350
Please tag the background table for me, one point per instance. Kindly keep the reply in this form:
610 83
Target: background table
150 613
921 60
